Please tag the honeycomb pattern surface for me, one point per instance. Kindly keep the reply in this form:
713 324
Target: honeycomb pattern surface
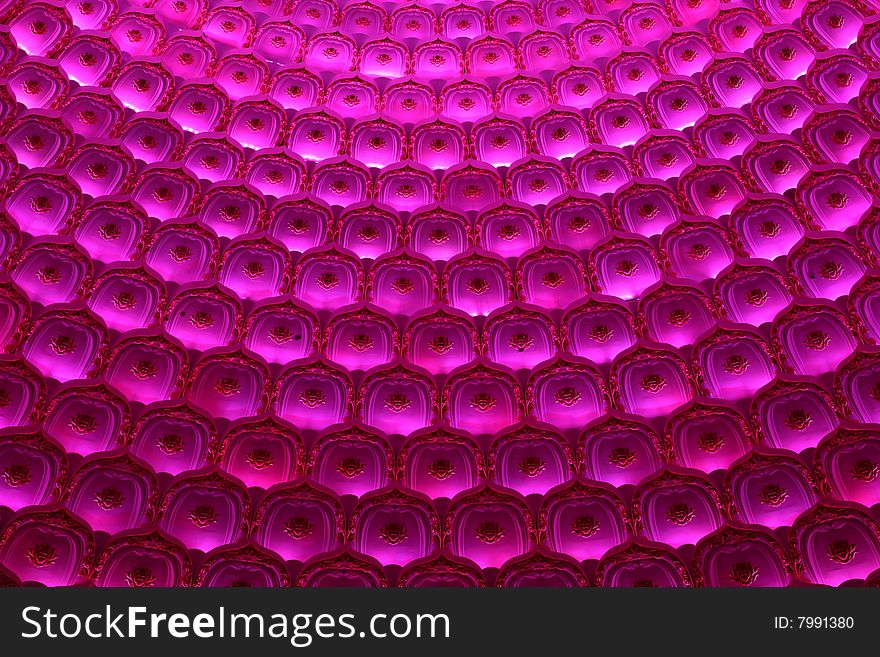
533 292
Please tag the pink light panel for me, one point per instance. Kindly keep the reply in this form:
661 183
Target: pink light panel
486 293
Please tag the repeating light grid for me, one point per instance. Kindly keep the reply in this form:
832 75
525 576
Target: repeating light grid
534 292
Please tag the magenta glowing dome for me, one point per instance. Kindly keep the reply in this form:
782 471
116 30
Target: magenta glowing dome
533 292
